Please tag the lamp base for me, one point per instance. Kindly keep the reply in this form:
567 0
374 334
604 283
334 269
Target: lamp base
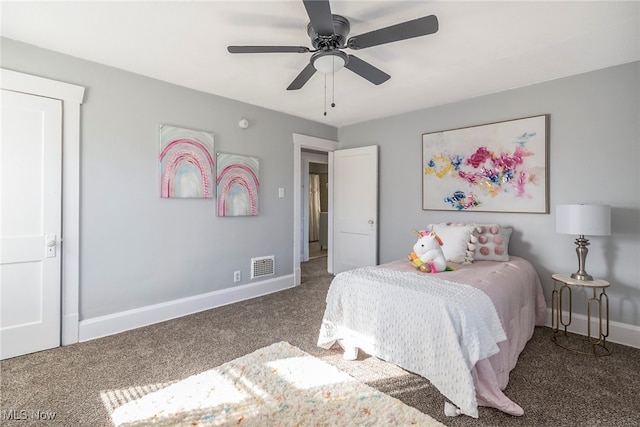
582 276
582 250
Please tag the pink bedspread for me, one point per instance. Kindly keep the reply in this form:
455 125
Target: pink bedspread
516 292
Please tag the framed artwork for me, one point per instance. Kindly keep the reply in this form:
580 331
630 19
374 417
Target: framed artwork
237 185
186 163
496 167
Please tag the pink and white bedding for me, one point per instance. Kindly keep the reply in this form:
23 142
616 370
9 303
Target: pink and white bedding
463 330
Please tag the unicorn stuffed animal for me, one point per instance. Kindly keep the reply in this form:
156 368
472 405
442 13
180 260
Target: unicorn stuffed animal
427 253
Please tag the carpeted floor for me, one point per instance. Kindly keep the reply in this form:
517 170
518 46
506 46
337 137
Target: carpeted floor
81 382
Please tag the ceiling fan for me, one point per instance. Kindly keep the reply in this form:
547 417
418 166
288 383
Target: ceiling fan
328 35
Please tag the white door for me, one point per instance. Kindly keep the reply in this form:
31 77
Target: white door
30 223
355 207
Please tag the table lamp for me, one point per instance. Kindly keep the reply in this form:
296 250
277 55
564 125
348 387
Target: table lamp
583 220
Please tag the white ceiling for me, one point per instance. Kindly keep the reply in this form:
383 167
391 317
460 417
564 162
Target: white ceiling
481 47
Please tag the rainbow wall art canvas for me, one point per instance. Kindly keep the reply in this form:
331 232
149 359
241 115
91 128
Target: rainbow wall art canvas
186 163
237 185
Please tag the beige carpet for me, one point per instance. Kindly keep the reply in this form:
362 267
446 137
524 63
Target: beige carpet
278 385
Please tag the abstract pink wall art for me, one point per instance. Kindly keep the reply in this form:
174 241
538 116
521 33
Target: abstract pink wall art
497 167
237 185
186 163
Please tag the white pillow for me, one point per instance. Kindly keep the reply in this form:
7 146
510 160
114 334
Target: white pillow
456 240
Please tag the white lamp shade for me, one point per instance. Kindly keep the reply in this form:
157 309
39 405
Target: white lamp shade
328 63
584 220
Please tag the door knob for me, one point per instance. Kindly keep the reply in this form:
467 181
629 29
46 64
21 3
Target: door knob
50 240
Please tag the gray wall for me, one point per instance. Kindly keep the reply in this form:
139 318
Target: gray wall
136 248
594 158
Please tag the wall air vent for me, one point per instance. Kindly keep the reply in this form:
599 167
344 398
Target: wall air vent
263 266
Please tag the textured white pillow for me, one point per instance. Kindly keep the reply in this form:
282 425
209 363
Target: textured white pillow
456 240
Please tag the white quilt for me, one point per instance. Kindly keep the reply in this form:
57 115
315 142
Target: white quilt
387 313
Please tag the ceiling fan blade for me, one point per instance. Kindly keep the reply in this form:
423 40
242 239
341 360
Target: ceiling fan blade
302 78
319 12
366 70
267 49
406 30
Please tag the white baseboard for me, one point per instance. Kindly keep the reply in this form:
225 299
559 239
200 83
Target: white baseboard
131 319
620 333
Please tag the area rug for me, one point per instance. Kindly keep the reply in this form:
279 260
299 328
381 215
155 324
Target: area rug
279 385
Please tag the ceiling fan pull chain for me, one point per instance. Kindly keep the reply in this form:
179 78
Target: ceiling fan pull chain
333 85
325 94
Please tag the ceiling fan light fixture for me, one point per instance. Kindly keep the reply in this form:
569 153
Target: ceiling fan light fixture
329 62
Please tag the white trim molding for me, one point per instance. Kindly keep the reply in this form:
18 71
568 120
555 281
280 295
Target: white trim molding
115 323
620 333
72 97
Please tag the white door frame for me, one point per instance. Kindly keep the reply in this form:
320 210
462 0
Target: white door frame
301 142
71 97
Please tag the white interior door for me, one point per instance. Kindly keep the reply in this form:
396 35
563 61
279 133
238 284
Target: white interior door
355 207
30 223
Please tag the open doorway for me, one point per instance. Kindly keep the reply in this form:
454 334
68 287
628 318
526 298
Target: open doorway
318 210
314 168
308 149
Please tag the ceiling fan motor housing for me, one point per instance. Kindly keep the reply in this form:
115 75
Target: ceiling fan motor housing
341 28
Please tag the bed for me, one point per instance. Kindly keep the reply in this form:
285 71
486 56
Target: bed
463 330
